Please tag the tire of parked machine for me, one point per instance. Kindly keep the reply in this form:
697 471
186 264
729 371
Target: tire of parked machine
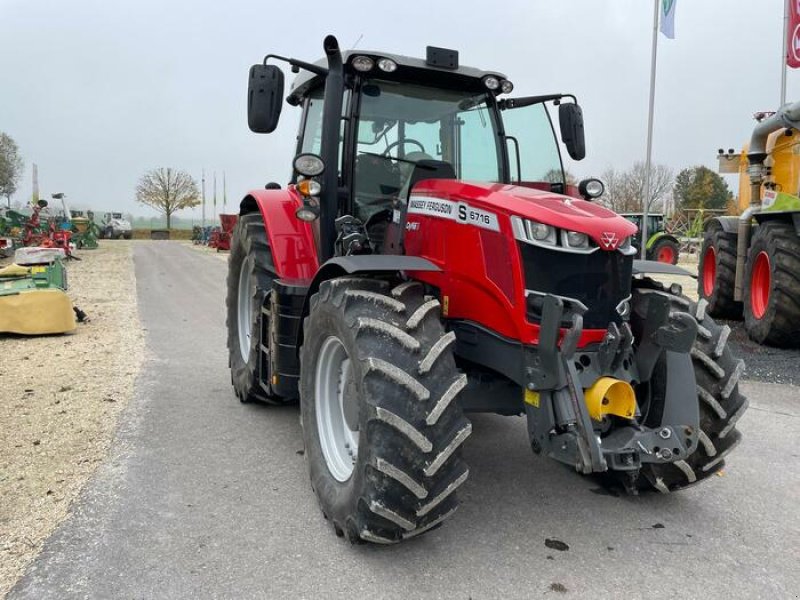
382 426
717 375
772 285
250 276
664 250
127 235
716 275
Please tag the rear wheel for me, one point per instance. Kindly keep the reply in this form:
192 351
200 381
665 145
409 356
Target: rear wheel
772 285
381 422
665 250
250 276
717 273
717 375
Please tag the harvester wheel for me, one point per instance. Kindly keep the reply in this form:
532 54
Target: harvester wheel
772 285
717 375
381 422
717 273
665 250
250 276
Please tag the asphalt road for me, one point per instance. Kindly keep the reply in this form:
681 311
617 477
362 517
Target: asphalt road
204 497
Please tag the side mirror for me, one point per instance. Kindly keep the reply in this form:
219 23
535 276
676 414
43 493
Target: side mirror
570 116
264 98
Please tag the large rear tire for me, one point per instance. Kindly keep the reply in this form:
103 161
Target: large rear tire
250 276
381 422
717 374
772 285
716 275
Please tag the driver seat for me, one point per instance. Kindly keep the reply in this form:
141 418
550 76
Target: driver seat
407 170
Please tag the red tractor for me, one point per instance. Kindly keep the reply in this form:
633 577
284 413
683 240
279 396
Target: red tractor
421 265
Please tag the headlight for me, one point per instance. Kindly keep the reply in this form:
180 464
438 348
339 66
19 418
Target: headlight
309 165
541 232
574 239
506 86
591 188
308 212
491 82
362 63
387 65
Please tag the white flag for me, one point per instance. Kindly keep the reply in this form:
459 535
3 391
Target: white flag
668 18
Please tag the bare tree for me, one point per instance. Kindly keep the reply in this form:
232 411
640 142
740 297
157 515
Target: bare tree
559 176
167 190
625 190
11 166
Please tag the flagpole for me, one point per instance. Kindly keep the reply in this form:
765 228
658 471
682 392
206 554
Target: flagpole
785 50
204 198
648 161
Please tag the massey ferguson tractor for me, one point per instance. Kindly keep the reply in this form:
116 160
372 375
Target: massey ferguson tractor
419 267
750 264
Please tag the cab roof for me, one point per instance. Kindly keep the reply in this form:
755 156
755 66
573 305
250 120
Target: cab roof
409 69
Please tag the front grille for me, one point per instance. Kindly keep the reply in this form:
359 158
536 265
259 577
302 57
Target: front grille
601 281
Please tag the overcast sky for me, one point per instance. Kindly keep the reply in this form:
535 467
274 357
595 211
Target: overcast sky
97 92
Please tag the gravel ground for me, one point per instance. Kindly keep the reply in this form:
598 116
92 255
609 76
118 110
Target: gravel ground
60 399
763 363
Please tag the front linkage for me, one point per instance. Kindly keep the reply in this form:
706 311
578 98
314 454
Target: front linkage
570 425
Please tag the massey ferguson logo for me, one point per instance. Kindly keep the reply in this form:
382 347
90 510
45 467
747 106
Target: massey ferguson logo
609 240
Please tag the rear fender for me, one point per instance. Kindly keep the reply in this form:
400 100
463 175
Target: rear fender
291 241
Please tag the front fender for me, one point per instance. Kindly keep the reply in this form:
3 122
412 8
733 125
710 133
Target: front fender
659 236
291 241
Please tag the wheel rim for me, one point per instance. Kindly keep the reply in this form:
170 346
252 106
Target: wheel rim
709 271
666 255
244 316
333 382
760 285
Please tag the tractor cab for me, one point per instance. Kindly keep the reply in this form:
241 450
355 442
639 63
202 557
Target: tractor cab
395 120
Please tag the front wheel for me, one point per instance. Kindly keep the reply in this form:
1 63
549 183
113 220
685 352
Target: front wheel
716 277
381 422
717 374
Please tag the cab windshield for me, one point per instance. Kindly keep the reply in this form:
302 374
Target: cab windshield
401 124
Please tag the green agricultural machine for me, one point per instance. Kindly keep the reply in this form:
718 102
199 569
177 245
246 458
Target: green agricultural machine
661 246
33 298
85 232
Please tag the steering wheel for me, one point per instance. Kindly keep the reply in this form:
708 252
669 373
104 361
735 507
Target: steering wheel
393 145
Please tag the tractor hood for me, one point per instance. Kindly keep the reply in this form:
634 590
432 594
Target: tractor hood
604 226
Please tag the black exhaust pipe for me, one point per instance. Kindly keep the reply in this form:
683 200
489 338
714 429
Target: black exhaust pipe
329 150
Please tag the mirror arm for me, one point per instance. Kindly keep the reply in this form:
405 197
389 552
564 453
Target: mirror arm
298 64
508 103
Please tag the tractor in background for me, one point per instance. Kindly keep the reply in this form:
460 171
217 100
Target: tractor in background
661 246
750 264
421 265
